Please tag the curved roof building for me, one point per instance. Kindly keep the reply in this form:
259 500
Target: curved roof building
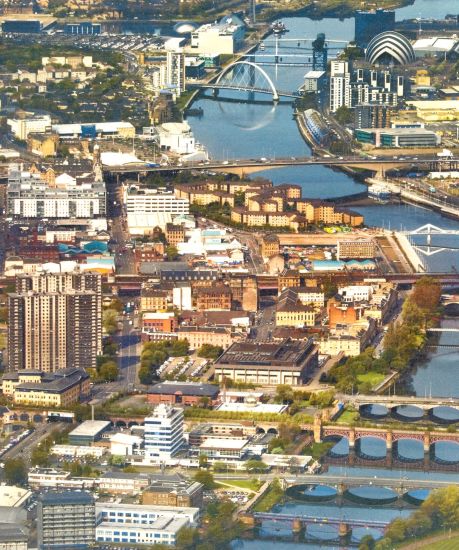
390 47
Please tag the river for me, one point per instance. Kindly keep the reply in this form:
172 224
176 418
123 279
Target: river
234 129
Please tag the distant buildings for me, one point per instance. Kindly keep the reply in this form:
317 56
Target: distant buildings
183 393
55 322
65 520
163 433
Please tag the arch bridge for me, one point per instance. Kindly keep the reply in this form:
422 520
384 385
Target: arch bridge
246 76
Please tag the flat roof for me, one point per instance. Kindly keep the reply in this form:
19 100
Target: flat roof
66 497
224 444
90 428
185 388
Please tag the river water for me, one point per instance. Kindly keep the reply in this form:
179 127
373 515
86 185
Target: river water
236 129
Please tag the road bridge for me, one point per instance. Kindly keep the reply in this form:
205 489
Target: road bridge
374 164
314 520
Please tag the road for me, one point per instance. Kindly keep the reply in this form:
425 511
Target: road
25 447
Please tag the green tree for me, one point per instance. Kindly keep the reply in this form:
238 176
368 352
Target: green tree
206 478
109 371
343 115
15 471
209 351
255 466
187 538
171 253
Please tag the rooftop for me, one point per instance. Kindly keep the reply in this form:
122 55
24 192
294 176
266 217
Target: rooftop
185 388
224 444
90 428
65 497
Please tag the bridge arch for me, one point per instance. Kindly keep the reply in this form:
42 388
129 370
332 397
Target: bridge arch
231 66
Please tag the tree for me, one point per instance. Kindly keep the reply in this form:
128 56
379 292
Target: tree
109 371
171 253
343 115
187 538
15 471
110 321
209 351
206 478
40 457
256 466
284 394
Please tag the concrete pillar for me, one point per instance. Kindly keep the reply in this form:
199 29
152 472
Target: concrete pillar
344 530
389 440
351 437
317 429
297 525
426 442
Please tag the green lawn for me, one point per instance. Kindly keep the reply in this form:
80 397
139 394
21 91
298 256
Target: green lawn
317 450
348 417
447 544
250 484
373 378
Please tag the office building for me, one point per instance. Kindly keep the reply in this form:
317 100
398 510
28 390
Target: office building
217 38
31 195
22 127
63 388
175 71
173 490
88 432
356 249
148 208
65 520
130 524
163 433
55 322
398 137
370 23
286 362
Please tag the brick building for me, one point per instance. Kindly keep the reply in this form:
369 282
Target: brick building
217 297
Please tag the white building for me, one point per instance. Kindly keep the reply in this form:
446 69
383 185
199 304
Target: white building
125 444
175 71
219 38
176 137
356 293
94 130
141 524
148 208
30 196
77 451
340 90
163 433
313 81
181 298
22 127
14 497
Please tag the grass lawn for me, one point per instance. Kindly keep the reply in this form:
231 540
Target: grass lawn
447 544
272 496
348 417
373 378
317 450
250 484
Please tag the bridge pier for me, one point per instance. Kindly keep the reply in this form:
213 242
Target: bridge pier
351 439
389 441
389 458
344 531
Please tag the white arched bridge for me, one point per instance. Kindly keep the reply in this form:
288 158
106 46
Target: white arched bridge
246 76
428 230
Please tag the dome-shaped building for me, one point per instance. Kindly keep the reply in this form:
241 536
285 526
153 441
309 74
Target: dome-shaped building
390 47
185 27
